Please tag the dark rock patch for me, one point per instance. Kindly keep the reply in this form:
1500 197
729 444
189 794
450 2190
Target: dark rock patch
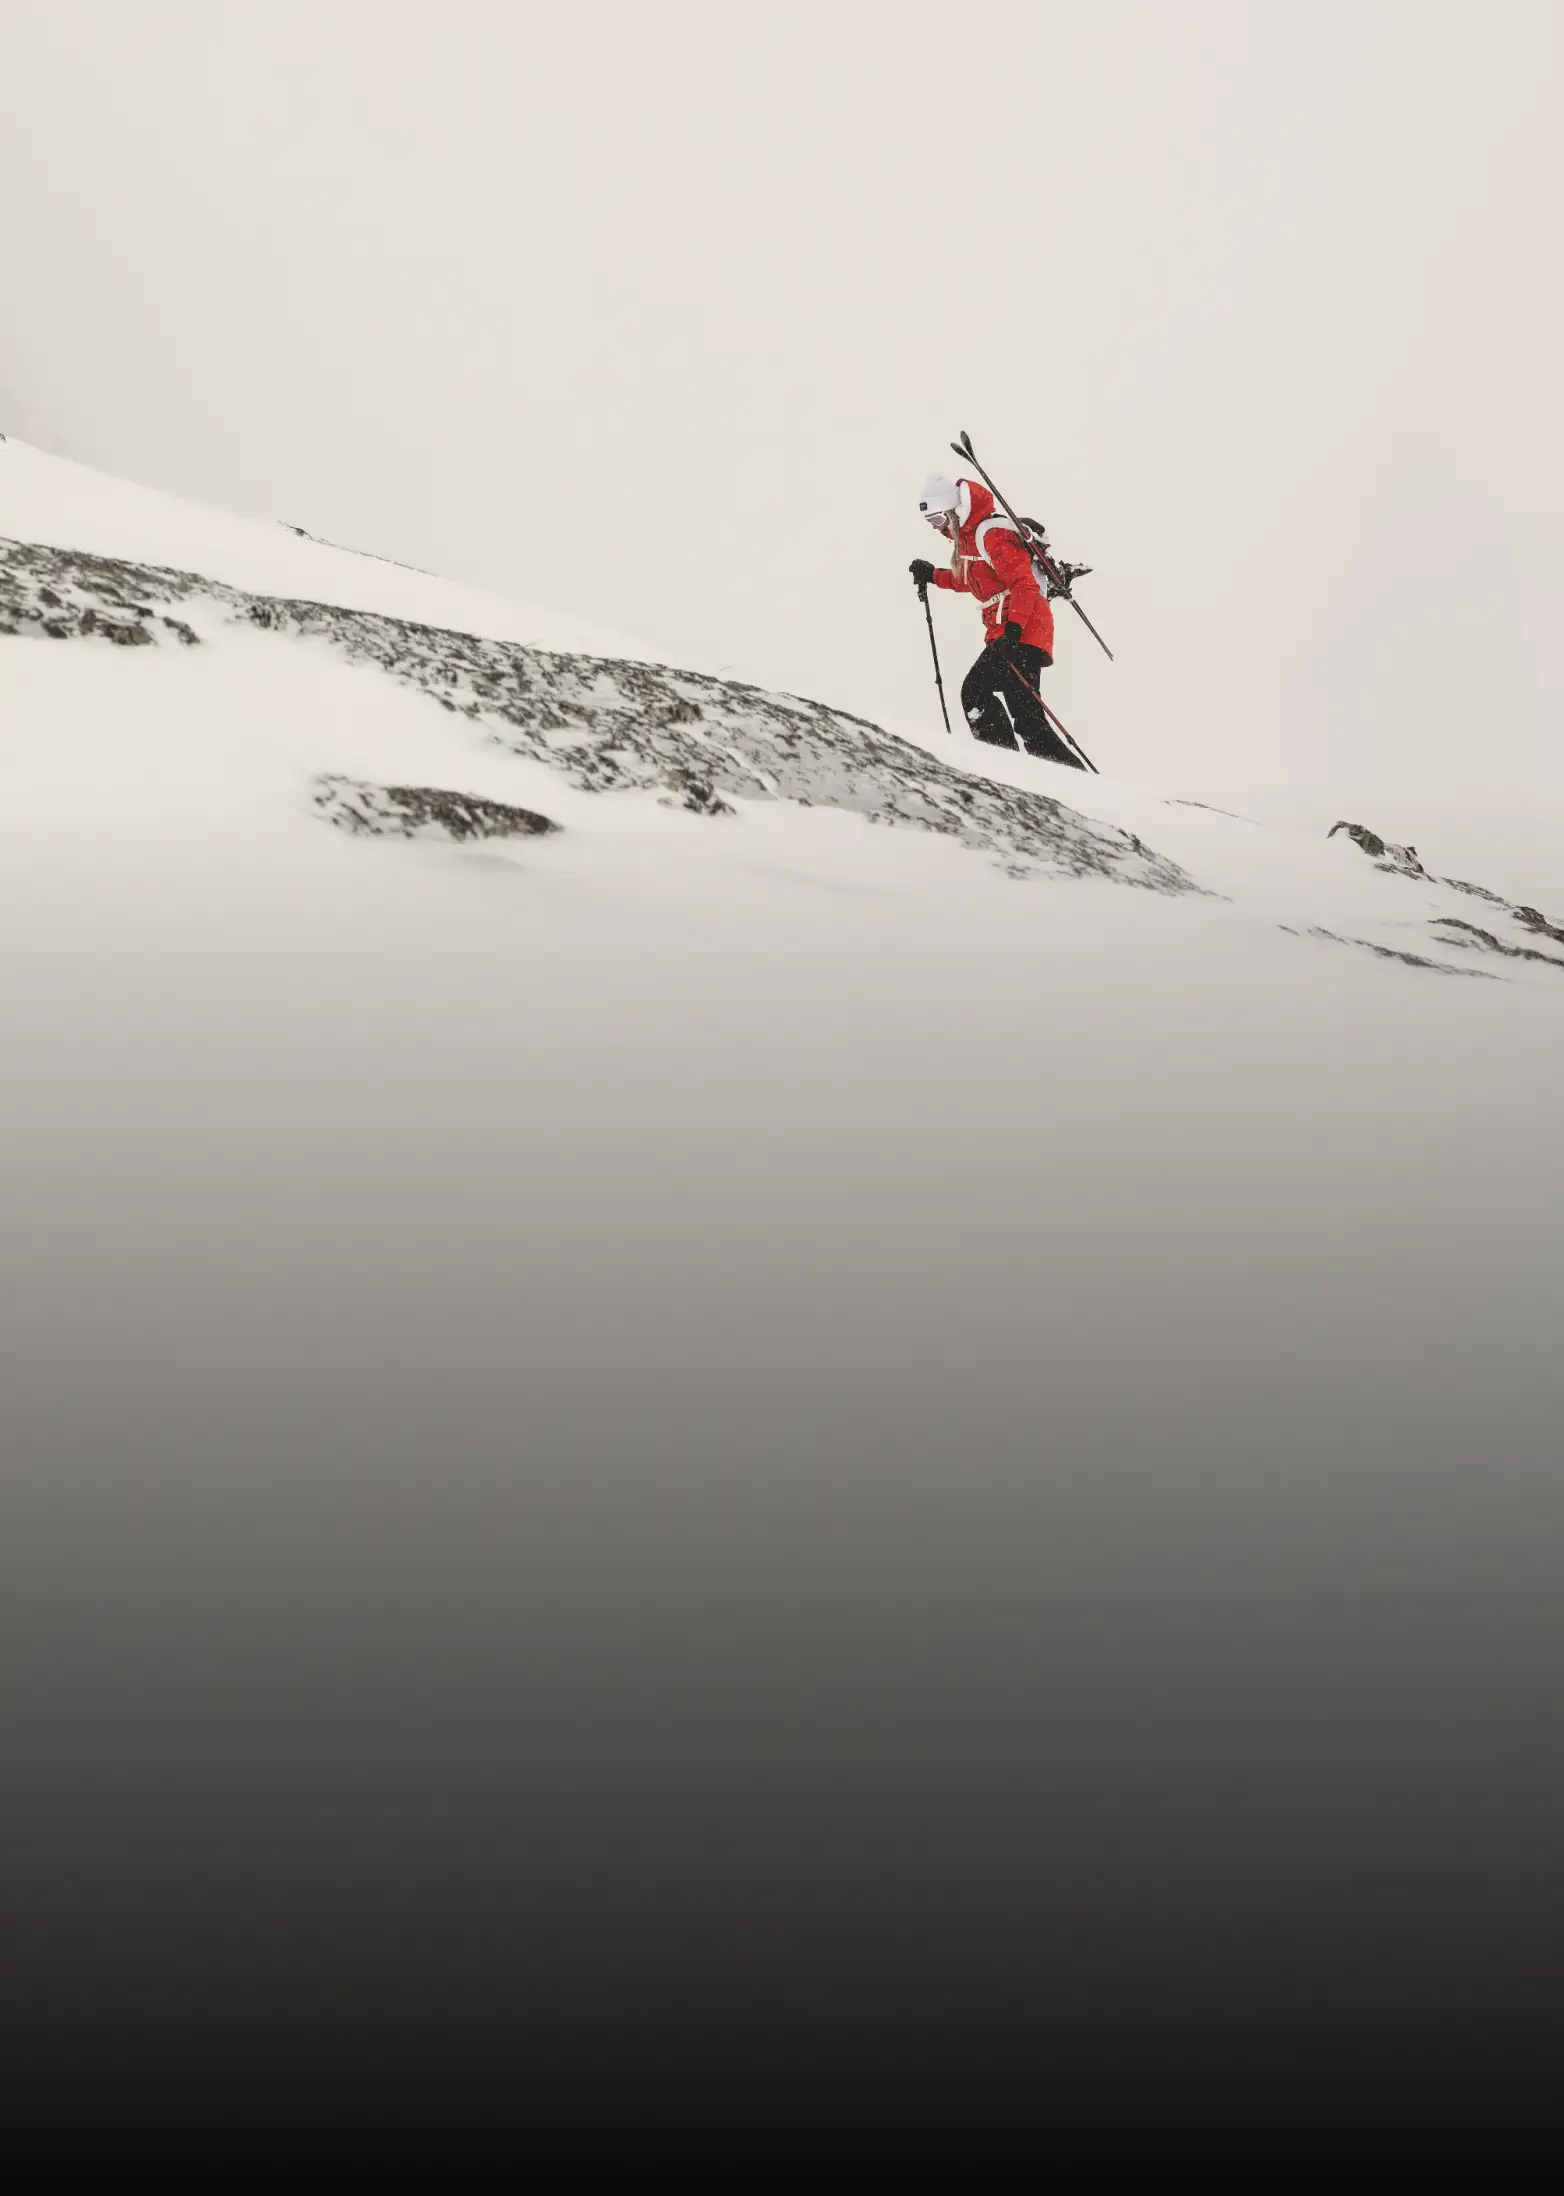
698 795
1532 918
1453 929
1486 938
408 811
1386 953
1477 892
1176 800
1384 852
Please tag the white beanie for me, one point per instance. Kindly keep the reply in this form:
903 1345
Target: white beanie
939 494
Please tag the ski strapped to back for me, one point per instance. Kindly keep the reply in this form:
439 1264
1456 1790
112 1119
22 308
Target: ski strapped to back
1059 578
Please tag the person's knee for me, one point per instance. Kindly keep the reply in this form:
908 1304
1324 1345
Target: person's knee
975 691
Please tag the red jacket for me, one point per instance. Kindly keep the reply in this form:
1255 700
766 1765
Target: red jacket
992 565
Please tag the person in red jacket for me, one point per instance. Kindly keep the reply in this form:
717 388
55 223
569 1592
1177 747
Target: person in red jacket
999 695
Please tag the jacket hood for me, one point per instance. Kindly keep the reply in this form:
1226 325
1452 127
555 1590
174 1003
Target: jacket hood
974 503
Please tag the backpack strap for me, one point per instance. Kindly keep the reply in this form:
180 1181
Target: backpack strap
989 525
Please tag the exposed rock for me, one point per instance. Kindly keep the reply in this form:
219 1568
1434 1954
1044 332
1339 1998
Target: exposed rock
1478 892
611 725
117 630
698 795
1486 938
1387 953
1176 800
1533 919
1384 852
1453 929
409 811
66 613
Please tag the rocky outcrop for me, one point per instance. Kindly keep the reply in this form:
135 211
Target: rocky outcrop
608 724
1384 853
698 795
414 811
1385 952
1455 930
1531 918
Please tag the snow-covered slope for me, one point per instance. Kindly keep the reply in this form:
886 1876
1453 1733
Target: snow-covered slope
838 1210
92 558
764 936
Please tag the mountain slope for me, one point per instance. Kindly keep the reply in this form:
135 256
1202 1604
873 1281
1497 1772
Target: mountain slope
543 688
606 724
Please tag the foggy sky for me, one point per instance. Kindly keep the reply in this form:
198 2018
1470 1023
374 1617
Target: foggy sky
659 317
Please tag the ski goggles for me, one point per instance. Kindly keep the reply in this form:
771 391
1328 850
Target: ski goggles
939 520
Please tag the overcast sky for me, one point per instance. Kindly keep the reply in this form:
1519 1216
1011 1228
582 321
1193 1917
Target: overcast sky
660 314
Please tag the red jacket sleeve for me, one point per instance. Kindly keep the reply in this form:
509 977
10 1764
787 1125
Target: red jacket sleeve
1014 566
954 582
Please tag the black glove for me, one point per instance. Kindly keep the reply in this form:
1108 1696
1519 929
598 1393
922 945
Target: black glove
922 573
1009 640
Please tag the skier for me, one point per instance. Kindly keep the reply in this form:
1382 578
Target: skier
999 695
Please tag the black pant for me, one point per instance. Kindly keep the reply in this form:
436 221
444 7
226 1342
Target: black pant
1001 702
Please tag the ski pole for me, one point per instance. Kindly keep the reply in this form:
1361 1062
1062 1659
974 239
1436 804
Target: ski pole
1069 738
923 596
964 449
1070 741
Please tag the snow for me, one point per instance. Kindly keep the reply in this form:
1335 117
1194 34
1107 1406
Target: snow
746 1207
